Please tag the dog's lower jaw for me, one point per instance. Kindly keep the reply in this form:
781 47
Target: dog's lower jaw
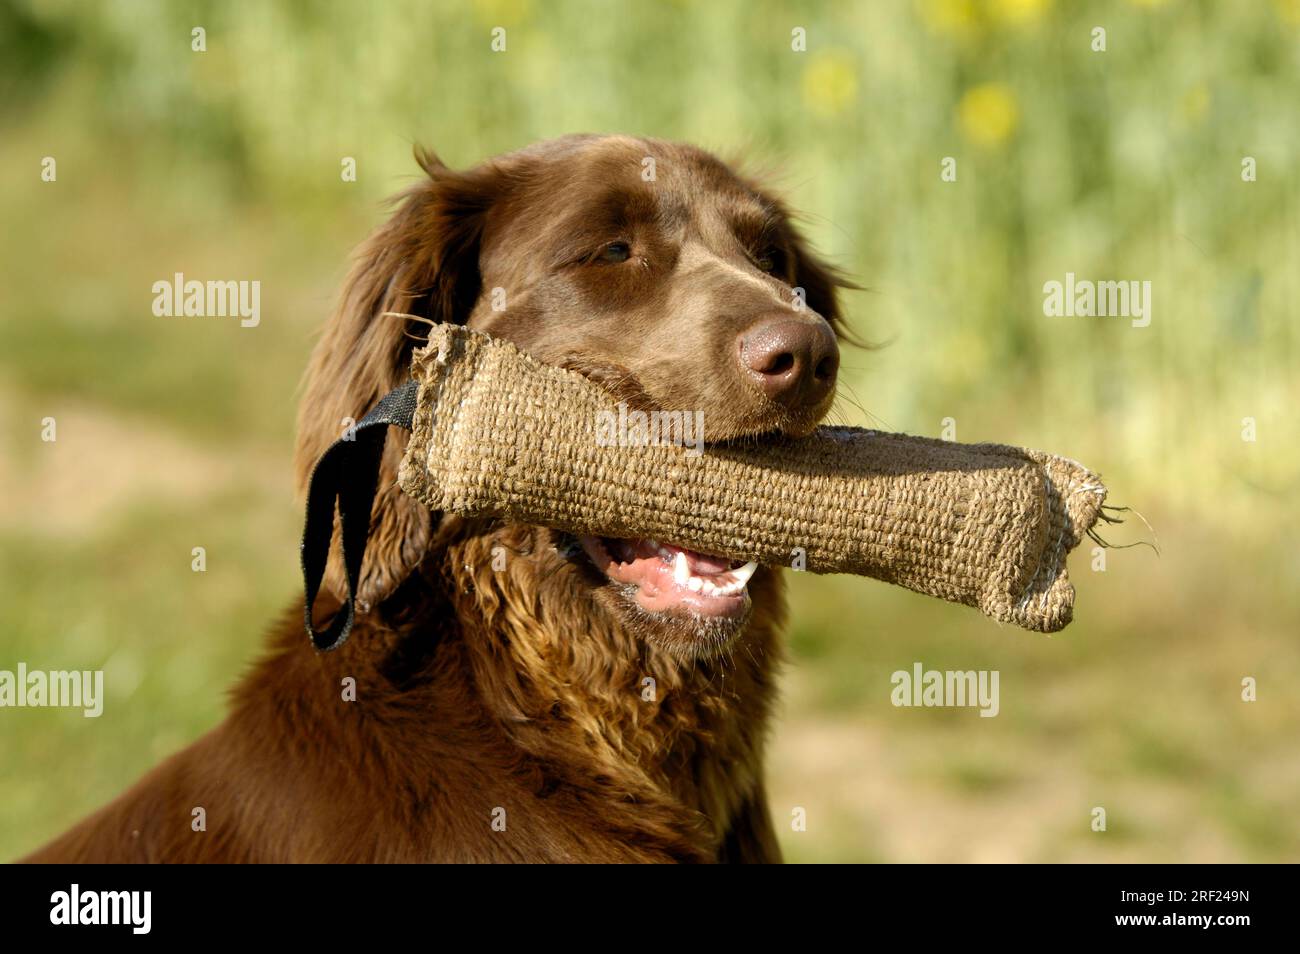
594 699
691 605
685 638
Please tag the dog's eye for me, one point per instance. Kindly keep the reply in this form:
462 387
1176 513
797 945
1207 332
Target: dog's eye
771 260
615 252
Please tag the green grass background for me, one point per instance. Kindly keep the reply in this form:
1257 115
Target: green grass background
1123 164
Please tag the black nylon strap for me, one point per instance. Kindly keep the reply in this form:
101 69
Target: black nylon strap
349 473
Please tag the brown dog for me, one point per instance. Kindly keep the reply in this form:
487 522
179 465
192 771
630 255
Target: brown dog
510 693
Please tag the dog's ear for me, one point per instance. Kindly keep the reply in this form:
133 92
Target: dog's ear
423 261
819 280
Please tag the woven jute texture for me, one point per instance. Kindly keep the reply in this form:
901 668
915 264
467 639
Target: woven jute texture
497 433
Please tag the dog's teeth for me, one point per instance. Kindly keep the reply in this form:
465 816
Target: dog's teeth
680 569
695 584
741 574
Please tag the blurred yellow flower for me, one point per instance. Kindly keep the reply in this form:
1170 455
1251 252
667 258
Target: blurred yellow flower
955 17
830 82
965 17
988 114
502 12
1288 10
1018 11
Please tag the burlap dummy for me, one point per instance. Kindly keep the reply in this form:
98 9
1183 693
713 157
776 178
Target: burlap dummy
497 433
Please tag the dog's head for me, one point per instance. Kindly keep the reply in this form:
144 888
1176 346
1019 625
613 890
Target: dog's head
650 267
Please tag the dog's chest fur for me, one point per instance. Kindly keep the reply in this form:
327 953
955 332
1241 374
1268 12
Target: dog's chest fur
551 732
606 733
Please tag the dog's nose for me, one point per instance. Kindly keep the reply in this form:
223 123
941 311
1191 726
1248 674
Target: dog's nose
793 361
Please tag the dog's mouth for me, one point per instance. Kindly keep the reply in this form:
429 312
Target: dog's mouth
671 580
